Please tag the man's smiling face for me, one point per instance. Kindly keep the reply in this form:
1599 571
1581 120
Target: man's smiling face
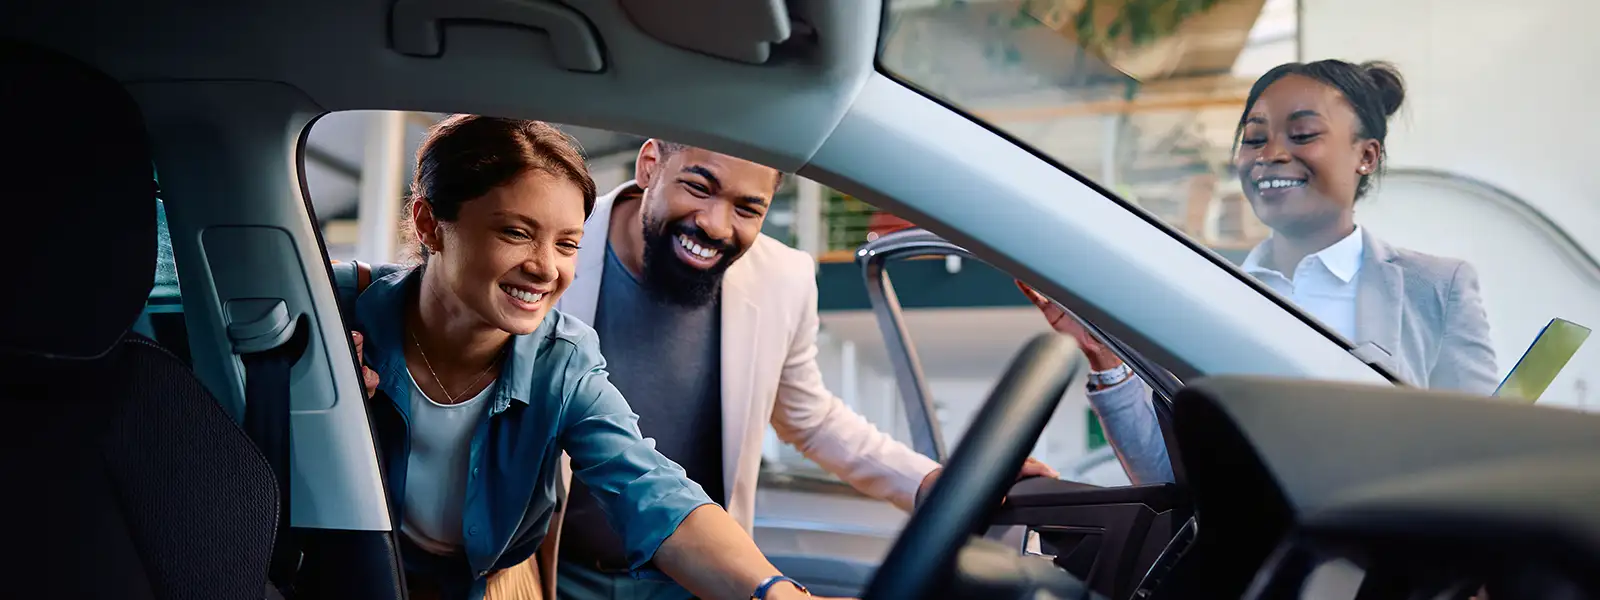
701 211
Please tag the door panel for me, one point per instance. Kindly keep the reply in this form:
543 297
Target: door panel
874 258
1107 537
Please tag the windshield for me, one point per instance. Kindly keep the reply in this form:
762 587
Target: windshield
1382 179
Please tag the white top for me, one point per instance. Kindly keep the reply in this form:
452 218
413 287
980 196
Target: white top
1323 284
436 472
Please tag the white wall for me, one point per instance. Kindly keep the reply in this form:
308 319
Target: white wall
1526 278
1502 92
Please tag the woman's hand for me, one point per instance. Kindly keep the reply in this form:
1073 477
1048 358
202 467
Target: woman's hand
369 377
1100 357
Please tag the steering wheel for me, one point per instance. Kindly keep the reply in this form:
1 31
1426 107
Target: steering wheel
981 470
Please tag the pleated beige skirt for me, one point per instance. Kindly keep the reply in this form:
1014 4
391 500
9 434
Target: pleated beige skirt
520 582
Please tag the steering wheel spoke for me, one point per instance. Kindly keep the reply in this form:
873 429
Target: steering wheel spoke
979 473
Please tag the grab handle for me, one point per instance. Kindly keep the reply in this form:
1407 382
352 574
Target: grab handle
416 27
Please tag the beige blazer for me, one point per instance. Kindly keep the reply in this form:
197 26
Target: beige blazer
769 375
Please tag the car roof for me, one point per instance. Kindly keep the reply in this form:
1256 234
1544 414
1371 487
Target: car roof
338 54
816 106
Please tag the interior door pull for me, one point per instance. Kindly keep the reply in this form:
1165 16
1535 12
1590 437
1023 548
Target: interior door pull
416 27
1031 546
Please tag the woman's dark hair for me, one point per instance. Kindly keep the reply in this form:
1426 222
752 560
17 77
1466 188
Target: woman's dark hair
1374 90
465 156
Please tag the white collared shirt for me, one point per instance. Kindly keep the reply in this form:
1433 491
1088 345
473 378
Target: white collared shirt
1323 284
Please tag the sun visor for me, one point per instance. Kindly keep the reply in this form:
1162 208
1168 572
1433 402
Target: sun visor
740 30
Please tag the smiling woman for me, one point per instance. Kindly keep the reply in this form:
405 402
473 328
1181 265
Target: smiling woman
1311 143
474 179
479 386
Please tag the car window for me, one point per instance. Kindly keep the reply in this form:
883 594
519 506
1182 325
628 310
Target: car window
162 319
166 283
1439 251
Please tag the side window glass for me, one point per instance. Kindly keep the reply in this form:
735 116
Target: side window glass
166 284
162 319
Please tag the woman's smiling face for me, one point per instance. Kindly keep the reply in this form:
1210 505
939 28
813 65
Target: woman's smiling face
509 254
1302 155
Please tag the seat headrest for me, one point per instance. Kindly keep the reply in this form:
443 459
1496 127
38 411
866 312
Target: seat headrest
79 187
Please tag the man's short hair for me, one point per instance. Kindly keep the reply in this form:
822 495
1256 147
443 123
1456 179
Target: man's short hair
670 148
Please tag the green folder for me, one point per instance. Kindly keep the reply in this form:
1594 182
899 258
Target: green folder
1556 344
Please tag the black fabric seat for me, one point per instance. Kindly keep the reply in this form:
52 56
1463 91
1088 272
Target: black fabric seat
122 476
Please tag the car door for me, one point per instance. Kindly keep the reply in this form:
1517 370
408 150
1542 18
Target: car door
1114 535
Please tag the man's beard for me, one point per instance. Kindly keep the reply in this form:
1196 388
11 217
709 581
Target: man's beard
673 280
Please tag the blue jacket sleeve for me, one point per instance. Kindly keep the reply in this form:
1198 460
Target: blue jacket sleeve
1133 431
644 494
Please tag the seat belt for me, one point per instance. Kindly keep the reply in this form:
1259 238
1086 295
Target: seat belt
268 344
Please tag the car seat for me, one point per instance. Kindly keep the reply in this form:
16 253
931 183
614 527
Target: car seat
123 477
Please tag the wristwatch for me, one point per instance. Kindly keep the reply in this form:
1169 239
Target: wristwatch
1109 377
761 590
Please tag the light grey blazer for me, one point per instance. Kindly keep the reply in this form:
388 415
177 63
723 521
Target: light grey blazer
1424 310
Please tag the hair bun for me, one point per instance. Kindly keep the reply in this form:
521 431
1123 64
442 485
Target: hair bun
1390 85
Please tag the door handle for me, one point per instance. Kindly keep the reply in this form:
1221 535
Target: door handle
1031 546
416 27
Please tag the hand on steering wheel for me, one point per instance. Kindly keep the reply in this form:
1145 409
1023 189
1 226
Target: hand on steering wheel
1031 467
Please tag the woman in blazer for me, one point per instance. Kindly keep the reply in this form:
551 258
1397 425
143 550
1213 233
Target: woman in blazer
478 385
1309 144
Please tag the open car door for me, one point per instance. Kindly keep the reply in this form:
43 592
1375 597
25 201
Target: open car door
1120 540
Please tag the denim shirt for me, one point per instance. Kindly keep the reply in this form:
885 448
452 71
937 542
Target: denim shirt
552 395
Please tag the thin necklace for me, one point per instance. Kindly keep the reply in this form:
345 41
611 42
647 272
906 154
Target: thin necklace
440 382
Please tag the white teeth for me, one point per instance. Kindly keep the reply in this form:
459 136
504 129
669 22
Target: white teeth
521 294
695 249
1272 184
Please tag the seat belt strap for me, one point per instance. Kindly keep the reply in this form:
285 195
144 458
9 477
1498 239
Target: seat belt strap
266 421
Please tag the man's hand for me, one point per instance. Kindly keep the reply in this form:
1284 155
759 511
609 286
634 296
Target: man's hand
1100 357
1030 468
369 378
